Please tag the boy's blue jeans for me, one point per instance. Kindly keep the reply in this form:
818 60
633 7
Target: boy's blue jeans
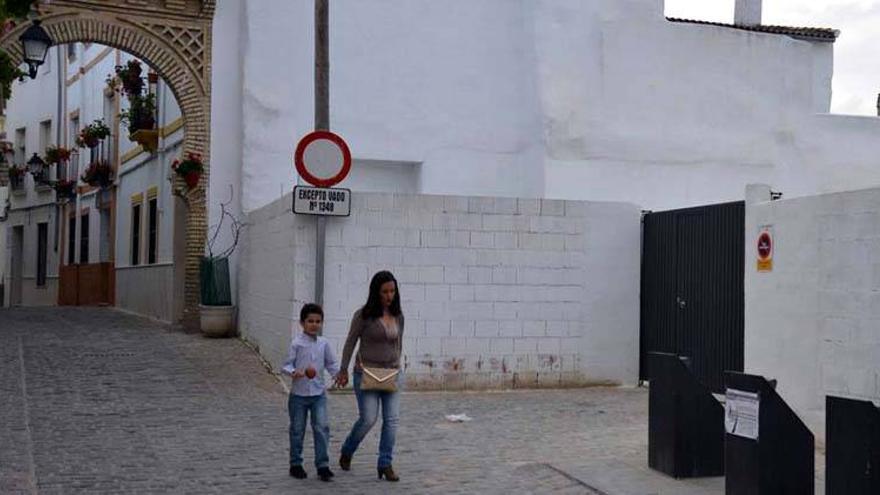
368 408
316 406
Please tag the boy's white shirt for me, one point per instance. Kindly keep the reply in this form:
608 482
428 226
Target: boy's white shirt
307 351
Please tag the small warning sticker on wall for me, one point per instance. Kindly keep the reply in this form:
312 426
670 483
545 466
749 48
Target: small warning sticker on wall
765 248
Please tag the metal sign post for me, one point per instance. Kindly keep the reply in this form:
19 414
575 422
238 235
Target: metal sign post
323 160
322 122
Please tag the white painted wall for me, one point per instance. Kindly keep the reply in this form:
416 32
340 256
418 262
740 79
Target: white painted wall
444 84
600 100
497 291
33 102
33 295
227 150
812 322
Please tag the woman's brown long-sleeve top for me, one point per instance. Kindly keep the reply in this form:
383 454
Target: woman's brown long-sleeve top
380 346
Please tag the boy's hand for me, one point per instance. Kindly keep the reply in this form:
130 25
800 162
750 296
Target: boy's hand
297 374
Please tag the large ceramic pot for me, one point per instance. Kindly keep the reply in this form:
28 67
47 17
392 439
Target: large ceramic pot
217 321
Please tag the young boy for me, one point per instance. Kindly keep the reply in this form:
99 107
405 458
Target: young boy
308 357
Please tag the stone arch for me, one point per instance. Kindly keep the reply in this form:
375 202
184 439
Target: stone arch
174 38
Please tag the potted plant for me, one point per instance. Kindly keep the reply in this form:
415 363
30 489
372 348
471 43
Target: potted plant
56 155
141 113
16 177
190 169
92 134
9 73
98 174
140 118
65 190
129 75
217 310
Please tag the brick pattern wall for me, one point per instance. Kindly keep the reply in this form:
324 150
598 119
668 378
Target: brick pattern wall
496 291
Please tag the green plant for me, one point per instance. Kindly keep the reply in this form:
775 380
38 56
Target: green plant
16 176
65 189
130 77
9 72
99 173
141 113
56 155
189 169
15 9
93 133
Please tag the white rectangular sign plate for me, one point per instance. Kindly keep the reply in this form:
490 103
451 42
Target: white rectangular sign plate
325 201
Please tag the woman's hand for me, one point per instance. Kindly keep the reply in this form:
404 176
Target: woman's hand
341 379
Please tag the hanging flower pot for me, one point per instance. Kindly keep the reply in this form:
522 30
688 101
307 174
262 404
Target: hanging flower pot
192 179
98 174
141 121
16 177
130 77
65 190
149 139
92 134
56 155
190 169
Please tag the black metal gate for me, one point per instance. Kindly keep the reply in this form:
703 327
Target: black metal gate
692 299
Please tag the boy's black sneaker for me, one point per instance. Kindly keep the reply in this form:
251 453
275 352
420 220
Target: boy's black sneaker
325 474
298 472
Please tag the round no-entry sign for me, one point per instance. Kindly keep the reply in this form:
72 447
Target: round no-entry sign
322 158
765 246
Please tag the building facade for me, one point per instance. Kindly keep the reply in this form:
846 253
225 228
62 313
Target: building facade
109 243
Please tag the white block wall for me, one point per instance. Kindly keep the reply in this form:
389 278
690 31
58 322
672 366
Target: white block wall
814 321
498 292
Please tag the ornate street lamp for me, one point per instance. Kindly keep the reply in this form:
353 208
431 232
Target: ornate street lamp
37 168
35 42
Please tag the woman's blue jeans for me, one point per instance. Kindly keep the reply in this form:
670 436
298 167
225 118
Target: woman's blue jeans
368 409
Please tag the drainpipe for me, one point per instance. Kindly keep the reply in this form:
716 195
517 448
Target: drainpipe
59 119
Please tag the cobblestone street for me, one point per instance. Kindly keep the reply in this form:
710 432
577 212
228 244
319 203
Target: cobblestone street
96 401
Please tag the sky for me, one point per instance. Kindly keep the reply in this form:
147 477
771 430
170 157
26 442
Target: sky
856 52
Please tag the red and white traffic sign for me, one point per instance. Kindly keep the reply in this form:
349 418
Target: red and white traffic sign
765 249
322 158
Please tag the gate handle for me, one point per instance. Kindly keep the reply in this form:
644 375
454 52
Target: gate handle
681 302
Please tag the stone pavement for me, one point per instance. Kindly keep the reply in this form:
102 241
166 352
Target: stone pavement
97 401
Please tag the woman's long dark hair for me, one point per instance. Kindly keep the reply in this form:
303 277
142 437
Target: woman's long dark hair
373 308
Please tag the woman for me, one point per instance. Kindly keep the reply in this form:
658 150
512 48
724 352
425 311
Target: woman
378 325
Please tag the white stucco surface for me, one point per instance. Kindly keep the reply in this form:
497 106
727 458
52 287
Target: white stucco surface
603 100
812 322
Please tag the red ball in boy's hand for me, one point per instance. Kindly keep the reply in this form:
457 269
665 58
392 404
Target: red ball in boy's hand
311 372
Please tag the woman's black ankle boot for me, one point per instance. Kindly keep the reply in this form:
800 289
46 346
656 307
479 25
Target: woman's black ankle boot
388 473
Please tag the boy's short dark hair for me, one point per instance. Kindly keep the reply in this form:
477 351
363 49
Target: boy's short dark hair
310 309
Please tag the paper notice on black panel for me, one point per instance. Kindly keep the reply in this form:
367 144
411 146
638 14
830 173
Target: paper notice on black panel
741 413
